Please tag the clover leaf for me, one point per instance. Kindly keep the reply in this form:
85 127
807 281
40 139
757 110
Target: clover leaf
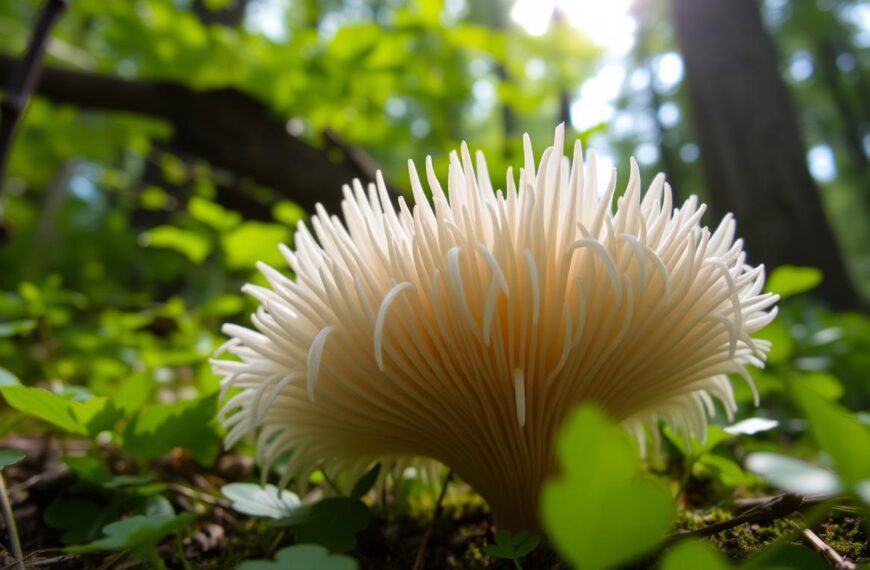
263 500
334 522
303 557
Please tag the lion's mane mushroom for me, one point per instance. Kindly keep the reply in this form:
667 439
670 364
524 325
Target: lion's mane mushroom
464 330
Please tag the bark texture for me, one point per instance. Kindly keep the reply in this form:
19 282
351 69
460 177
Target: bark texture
752 151
226 127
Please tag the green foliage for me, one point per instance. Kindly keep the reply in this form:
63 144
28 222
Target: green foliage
189 243
837 432
68 415
10 457
512 546
693 554
366 482
263 500
252 242
139 534
788 280
80 519
603 516
302 557
333 523
161 427
127 258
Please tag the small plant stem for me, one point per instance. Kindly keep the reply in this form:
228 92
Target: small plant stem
329 481
179 540
154 560
418 562
11 527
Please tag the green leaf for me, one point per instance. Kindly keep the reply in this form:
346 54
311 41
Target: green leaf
44 405
262 500
80 519
825 384
150 505
366 482
223 305
511 546
8 379
213 214
793 475
691 446
136 533
602 517
334 522
88 469
16 328
781 341
837 432
694 554
10 457
723 469
789 280
96 415
785 556
191 244
288 213
303 557
160 428
252 242
133 393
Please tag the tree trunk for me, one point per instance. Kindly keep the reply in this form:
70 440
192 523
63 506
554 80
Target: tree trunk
752 152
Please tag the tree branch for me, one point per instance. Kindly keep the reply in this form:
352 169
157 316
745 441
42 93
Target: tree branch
20 86
226 127
776 508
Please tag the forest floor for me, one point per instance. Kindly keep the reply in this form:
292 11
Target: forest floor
221 538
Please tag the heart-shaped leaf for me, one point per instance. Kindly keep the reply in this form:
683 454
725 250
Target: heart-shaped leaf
598 512
334 522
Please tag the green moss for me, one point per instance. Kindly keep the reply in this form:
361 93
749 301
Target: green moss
848 536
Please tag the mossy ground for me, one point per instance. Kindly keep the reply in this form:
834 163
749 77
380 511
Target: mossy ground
220 538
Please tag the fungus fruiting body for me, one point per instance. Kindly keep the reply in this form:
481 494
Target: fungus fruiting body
464 329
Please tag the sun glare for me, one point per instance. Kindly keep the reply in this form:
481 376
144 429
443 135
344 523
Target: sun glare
608 24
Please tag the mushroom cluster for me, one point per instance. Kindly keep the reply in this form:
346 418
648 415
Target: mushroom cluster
464 329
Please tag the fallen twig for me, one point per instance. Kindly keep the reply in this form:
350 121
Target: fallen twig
421 551
832 556
775 508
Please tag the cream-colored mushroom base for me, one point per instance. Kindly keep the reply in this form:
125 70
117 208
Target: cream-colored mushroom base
465 329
